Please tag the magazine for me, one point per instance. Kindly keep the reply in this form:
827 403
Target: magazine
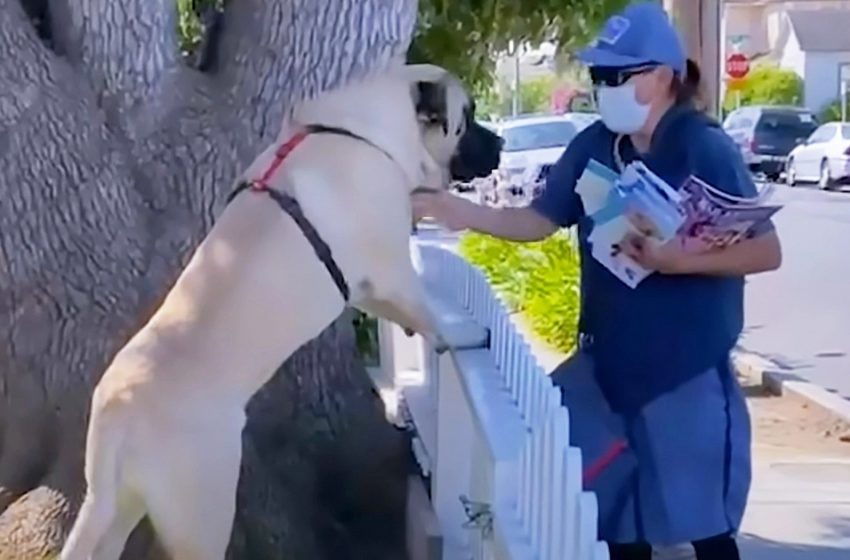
716 219
639 202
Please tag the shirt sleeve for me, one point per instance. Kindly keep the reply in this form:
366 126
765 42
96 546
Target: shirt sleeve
558 201
720 164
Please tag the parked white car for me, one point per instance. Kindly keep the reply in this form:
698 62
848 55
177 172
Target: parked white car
532 144
823 158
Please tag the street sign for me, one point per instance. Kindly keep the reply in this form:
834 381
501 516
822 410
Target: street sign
737 66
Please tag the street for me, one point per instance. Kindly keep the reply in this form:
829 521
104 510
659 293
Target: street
799 316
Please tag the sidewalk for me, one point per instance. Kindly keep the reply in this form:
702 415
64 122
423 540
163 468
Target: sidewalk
799 506
800 502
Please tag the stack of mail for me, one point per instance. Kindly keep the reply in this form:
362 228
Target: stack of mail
637 202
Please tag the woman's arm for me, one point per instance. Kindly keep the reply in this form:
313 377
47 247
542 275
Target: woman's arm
515 224
750 256
456 213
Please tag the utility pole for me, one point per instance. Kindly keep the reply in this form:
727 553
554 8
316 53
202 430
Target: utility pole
515 100
699 22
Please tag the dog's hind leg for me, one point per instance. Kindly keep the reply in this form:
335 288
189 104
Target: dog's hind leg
131 510
93 521
100 505
191 491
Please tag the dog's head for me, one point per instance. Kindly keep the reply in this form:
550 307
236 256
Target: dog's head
452 136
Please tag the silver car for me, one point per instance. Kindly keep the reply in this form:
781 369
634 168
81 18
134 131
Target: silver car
823 158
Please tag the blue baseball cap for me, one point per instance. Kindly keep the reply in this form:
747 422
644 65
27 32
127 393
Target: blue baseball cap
641 34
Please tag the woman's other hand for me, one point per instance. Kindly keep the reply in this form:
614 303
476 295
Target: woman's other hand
666 258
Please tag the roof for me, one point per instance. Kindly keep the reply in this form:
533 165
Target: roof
821 30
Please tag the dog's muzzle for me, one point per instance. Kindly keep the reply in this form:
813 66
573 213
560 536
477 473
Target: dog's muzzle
478 153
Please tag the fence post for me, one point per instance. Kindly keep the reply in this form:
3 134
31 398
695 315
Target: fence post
454 440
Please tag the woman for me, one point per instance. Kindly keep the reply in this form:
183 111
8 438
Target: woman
655 407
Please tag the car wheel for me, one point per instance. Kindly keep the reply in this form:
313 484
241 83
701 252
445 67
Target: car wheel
825 180
790 173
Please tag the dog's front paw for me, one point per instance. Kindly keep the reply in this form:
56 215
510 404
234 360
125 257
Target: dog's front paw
441 346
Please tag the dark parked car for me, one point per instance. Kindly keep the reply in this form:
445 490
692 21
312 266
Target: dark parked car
767 134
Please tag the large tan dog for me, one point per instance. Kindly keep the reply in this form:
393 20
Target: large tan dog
164 438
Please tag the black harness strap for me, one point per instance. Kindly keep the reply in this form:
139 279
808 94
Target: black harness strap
322 129
289 205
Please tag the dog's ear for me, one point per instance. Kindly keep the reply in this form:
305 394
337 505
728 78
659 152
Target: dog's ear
431 103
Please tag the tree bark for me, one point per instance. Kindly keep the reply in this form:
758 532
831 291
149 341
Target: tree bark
116 159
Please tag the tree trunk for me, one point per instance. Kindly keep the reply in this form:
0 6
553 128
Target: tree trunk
116 157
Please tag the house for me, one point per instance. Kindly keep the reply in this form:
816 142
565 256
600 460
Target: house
809 37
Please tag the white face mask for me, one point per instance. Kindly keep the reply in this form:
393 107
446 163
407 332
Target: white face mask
620 110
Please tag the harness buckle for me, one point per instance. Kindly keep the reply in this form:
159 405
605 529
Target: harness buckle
257 185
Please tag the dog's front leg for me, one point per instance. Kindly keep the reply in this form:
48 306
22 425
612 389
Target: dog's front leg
409 310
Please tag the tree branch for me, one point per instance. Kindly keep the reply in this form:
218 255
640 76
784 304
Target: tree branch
271 50
124 47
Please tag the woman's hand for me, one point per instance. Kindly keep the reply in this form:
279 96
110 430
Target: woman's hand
667 258
453 212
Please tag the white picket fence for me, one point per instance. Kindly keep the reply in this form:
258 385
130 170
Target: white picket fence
491 432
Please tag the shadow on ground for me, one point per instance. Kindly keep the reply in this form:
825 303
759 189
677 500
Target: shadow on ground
756 548
836 531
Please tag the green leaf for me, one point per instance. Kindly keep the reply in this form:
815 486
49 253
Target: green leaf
465 36
539 279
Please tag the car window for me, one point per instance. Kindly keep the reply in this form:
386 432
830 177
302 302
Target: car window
822 134
538 136
738 121
845 131
789 124
583 120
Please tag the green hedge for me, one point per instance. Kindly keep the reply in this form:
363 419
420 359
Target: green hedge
832 112
768 85
539 280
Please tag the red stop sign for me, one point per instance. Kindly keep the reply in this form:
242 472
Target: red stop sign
737 65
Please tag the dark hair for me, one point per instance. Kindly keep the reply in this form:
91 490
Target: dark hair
689 89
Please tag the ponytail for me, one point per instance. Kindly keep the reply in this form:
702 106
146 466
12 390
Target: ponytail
688 90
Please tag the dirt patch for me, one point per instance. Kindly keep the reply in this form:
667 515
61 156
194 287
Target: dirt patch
791 426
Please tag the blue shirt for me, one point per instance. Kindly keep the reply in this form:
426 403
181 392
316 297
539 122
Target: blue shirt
649 340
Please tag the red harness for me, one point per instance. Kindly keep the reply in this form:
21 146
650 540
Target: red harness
281 154
289 205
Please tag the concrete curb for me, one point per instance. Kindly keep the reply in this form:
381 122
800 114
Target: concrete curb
767 374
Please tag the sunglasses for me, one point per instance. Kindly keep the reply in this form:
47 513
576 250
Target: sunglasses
612 76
